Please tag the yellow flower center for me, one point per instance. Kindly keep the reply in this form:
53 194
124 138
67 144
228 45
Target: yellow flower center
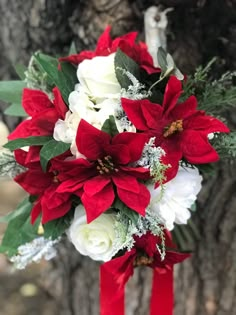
175 126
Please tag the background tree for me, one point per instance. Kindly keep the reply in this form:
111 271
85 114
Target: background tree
197 31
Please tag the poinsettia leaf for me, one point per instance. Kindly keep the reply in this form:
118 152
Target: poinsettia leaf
63 75
23 142
19 230
20 70
123 62
50 150
15 109
11 91
131 214
55 228
161 58
109 126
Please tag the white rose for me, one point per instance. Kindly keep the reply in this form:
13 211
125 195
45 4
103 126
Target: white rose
65 130
179 195
94 239
98 78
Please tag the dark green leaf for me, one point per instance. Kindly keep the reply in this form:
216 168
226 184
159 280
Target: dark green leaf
122 61
23 142
22 207
161 58
51 149
56 228
131 214
19 230
20 70
64 76
15 109
11 91
109 126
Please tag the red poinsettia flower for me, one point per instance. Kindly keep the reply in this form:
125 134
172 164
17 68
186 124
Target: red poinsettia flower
179 128
51 204
106 46
43 112
106 171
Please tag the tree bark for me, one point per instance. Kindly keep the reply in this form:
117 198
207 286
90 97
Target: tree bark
198 30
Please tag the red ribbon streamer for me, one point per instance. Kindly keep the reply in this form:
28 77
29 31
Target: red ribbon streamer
114 276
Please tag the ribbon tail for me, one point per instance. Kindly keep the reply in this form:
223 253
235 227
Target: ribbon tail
162 298
112 295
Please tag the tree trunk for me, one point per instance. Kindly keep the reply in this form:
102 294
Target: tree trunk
198 30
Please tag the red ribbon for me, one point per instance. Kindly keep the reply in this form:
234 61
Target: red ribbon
115 273
114 277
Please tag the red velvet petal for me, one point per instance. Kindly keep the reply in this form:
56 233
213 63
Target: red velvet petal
78 58
54 205
135 143
95 185
104 42
197 149
34 181
172 93
152 113
91 141
137 202
97 204
59 103
134 112
126 182
120 153
35 101
185 109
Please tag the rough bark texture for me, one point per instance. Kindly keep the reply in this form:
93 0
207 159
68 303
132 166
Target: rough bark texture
198 30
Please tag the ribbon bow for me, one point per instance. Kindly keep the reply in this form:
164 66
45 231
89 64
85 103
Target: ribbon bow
115 273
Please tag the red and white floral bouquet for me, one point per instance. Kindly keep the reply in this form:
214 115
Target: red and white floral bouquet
111 154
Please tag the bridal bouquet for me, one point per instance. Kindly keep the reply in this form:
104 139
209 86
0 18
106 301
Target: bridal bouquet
111 152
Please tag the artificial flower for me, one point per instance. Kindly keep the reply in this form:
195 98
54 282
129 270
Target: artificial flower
107 171
178 127
43 114
106 46
172 203
94 239
49 203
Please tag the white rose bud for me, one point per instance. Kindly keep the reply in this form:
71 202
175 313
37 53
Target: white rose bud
94 239
98 78
179 195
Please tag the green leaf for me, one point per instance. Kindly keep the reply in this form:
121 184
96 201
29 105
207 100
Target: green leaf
63 77
123 62
15 109
22 207
23 142
109 126
51 149
19 230
11 91
20 70
161 58
72 50
131 214
55 228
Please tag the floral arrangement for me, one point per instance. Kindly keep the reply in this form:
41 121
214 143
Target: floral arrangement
111 152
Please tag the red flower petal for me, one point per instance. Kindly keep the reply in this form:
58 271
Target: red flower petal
134 112
95 185
185 109
35 101
120 153
126 182
98 203
135 143
196 148
59 104
90 141
104 42
136 201
172 93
